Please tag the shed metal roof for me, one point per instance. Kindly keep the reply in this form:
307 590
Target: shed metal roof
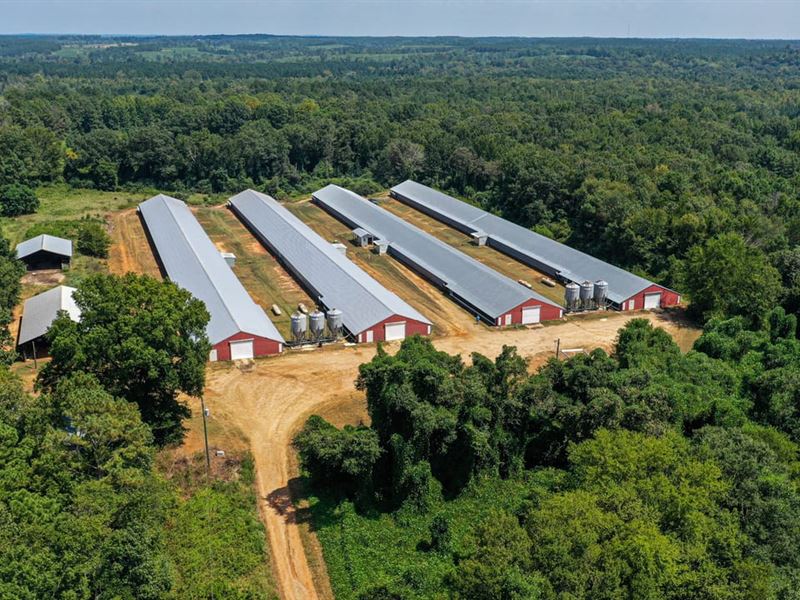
339 282
40 311
484 288
571 264
193 262
48 243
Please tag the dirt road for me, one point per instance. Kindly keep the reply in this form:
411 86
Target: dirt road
270 400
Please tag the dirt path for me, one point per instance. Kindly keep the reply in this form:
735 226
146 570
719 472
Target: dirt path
270 400
130 251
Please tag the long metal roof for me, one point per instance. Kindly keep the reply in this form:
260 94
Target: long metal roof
337 281
40 311
49 243
487 290
573 265
193 262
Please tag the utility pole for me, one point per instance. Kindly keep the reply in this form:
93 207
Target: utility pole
558 347
205 436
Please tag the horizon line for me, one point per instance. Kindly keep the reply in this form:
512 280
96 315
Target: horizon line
403 36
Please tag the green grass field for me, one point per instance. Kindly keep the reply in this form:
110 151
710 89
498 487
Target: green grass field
214 538
60 202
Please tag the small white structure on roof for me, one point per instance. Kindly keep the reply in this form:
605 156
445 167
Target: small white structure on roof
381 246
229 257
479 238
45 252
362 237
40 311
340 247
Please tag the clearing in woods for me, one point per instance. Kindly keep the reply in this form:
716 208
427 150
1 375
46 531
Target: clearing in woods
262 404
270 399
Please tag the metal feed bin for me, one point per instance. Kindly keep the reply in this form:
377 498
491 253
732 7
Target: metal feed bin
600 293
299 326
571 296
316 325
587 293
335 325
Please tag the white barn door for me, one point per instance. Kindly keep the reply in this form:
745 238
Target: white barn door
531 314
652 300
242 350
395 331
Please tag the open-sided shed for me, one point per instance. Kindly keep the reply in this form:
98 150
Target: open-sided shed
626 291
239 328
45 252
370 312
482 290
38 314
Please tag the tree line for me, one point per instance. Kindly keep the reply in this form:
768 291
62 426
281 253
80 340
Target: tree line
648 473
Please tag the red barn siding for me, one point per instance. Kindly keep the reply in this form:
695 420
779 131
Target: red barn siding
668 298
261 346
548 312
413 327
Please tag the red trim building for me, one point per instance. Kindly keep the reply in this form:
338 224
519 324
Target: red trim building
379 331
654 296
546 312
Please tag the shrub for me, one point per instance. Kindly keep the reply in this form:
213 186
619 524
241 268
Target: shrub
17 199
343 457
93 239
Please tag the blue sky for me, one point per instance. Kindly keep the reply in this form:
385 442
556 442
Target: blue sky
620 18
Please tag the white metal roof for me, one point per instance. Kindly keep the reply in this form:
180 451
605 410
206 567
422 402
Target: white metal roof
325 270
193 262
571 264
40 311
49 243
484 288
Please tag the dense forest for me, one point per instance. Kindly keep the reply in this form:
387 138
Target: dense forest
645 473
639 473
668 158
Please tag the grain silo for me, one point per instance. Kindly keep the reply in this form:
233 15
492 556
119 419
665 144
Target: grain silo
335 322
587 292
316 325
571 296
600 293
299 326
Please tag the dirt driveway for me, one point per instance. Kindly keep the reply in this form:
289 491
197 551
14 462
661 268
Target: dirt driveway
269 400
